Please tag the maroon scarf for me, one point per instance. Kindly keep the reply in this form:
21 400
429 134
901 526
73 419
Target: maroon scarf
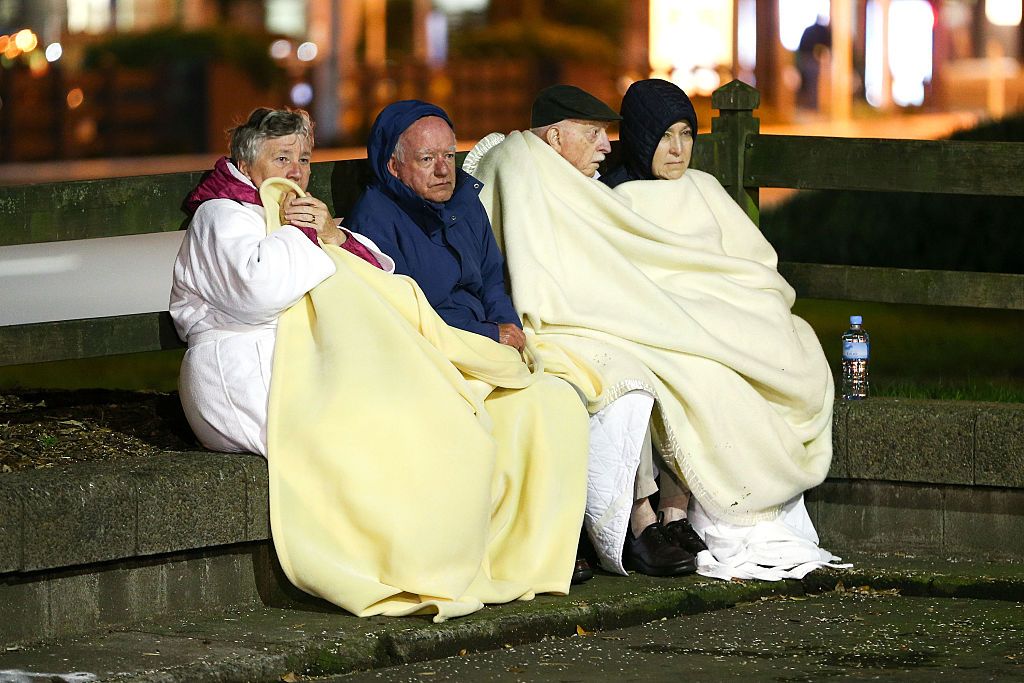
221 183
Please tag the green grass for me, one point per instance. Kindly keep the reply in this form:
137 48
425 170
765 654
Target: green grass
916 352
930 352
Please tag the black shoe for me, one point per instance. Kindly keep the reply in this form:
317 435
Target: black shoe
582 571
683 535
655 555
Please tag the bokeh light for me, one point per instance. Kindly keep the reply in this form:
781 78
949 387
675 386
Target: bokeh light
1003 12
306 52
26 40
280 49
302 94
75 98
85 131
37 63
54 51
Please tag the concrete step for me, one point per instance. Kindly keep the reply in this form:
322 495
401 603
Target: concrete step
263 644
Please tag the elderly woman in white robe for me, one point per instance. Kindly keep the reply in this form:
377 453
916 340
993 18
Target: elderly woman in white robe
232 280
483 456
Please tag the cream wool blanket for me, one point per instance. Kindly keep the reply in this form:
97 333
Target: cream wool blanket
667 286
415 467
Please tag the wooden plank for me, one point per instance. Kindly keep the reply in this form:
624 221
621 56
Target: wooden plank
87 338
93 208
711 155
906 286
946 166
114 207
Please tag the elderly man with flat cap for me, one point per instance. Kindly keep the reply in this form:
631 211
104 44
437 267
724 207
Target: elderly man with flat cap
575 124
661 302
620 520
426 214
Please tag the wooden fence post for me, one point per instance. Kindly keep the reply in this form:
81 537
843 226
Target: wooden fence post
736 102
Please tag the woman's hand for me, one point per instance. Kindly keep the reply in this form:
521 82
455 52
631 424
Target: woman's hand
310 212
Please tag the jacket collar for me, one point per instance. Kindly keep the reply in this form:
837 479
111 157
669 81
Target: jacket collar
225 181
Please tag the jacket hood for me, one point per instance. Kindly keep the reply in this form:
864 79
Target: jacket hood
649 108
392 121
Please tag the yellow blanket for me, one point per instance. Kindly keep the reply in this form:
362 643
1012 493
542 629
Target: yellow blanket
668 287
401 479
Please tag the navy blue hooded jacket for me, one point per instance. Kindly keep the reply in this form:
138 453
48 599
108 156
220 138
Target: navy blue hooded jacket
448 248
649 108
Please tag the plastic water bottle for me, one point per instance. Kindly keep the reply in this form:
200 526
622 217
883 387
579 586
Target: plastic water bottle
856 350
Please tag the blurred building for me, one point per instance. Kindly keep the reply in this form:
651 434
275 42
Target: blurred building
207 62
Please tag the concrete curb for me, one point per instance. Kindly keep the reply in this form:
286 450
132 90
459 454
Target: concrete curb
101 512
263 644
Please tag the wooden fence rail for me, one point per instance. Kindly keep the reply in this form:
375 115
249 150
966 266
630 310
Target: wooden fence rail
735 152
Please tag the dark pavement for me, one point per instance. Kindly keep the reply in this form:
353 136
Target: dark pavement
866 635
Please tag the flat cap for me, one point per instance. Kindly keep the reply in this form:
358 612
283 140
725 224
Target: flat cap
560 102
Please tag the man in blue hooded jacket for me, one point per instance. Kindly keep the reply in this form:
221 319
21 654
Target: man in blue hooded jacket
426 214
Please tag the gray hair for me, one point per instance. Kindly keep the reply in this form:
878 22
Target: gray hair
399 153
541 131
263 124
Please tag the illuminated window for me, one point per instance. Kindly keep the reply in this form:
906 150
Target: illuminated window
910 49
746 34
797 15
139 15
689 41
287 17
89 16
911 25
874 68
1003 12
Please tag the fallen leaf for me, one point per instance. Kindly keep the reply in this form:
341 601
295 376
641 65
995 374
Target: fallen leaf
463 652
580 631
290 677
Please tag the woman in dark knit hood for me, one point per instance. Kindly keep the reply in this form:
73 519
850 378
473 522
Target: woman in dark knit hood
657 131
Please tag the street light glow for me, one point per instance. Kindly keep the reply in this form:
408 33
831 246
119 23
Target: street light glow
1003 12
26 40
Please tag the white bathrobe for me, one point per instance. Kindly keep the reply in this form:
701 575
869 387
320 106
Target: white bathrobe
231 282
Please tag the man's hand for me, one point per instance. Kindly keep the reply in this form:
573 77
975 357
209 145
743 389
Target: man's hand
510 335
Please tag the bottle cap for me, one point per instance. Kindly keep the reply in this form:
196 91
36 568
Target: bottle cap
856 320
